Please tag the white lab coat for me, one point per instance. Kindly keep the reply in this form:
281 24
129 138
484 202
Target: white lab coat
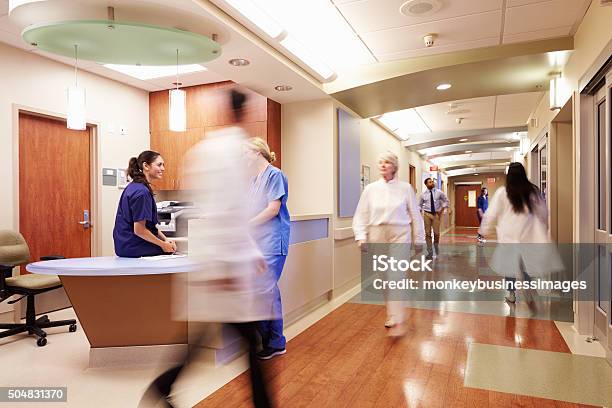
391 203
520 236
219 240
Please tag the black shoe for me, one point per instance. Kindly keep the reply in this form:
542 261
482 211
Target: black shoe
268 352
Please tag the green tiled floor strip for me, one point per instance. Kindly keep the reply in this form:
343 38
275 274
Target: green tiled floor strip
543 374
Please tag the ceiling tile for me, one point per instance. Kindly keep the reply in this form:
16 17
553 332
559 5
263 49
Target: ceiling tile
439 49
195 78
514 110
452 31
501 155
514 3
14 40
537 35
477 113
6 24
540 16
373 15
62 59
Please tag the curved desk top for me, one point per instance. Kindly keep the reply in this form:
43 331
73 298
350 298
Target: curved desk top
112 266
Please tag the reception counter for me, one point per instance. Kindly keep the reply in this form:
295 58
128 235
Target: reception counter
122 302
125 305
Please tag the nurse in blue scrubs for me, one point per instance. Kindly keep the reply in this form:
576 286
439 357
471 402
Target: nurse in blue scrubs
270 225
135 233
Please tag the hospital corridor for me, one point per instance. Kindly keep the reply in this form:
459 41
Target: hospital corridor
306 203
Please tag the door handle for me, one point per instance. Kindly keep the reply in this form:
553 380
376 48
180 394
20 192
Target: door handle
85 223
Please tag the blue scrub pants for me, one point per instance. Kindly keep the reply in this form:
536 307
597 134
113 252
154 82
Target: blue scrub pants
271 331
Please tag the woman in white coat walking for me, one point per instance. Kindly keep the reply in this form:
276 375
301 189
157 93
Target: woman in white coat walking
519 216
386 214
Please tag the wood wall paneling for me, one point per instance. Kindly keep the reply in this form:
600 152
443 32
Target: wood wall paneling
208 109
159 103
274 129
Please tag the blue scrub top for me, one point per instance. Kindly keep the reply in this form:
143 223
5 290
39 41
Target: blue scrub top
272 237
136 204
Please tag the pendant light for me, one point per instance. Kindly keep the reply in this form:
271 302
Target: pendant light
178 112
76 100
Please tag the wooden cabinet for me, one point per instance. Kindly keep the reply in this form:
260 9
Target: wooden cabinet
172 146
208 110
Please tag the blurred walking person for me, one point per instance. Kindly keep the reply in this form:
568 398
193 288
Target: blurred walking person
387 213
481 208
229 285
519 216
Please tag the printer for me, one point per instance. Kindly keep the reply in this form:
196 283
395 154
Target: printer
173 217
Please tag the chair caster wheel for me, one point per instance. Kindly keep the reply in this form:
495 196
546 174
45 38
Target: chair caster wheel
72 328
41 341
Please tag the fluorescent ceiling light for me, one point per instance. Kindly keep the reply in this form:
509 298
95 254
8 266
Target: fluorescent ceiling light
463 140
143 72
405 122
298 50
443 87
321 29
257 16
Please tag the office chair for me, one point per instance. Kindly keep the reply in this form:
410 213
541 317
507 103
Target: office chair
13 252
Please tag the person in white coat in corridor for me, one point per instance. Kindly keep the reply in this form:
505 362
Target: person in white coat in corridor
387 213
519 216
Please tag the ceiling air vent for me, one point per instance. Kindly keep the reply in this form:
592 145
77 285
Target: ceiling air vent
420 8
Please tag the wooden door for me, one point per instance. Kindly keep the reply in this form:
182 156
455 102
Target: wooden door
412 176
54 187
466 198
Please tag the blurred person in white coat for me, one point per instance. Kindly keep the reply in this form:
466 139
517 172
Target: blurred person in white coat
230 284
388 213
518 214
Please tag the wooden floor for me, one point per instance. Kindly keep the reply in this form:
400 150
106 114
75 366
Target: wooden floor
346 360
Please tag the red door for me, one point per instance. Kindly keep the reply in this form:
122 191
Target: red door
466 197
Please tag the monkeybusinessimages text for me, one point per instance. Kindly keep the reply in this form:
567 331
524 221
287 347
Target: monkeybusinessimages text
390 266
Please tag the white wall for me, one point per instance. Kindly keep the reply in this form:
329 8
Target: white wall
593 34
40 84
307 142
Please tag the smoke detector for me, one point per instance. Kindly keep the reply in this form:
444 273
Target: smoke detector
420 8
429 39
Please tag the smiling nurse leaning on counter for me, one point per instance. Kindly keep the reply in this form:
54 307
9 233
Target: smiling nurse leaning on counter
135 233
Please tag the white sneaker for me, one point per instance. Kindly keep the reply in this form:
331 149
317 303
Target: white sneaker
390 322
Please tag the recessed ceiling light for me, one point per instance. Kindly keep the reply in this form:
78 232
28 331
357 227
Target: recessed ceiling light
475 174
463 140
283 88
239 62
443 87
420 8
468 151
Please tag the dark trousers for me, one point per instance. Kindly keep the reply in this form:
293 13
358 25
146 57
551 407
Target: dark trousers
248 332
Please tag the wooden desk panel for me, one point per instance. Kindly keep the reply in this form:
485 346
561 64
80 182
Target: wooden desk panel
118 311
